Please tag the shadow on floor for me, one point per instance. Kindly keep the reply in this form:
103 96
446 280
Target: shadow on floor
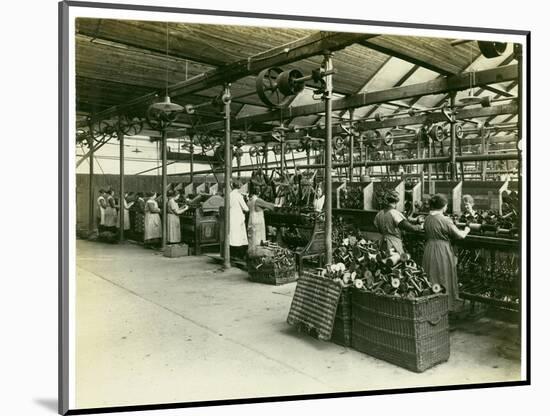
49 404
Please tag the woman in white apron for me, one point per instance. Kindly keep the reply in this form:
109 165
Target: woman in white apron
111 212
127 206
152 222
256 220
101 206
173 232
237 228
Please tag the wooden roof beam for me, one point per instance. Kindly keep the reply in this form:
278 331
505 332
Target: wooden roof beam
437 86
94 35
427 60
315 44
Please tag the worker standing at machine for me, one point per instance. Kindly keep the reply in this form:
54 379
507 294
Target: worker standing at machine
237 227
439 260
256 220
139 221
319 200
173 235
127 206
468 206
101 206
152 222
390 222
111 212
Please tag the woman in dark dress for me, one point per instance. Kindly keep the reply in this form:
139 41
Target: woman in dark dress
439 260
390 222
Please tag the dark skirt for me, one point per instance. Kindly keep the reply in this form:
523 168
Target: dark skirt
439 262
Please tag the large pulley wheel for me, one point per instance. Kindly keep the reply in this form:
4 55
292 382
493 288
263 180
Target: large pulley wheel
437 133
260 151
131 126
288 82
159 120
459 131
339 144
219 153
253 151
206 142
491 49
388 138
374 139
266 88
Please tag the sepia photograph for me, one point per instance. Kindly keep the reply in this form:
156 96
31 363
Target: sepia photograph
282 208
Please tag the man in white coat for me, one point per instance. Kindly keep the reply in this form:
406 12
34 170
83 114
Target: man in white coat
237 227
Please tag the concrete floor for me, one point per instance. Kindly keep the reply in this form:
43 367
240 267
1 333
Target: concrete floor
152 330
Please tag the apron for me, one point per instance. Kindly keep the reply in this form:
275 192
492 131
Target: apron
126 216
256 226
237 227
173 232
100 211
153 228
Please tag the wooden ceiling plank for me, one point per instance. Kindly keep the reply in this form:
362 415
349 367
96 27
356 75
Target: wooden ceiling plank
436 86
303 48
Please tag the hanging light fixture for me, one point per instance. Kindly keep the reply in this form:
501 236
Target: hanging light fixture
161 114
471 99
136 150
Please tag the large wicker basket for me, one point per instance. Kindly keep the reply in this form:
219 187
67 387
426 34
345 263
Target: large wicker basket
341 331
413 334
270 274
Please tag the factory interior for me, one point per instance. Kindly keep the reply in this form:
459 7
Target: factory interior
266 212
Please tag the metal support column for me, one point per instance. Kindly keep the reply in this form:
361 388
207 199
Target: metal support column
328 159
453 139
420 168
121 187
483 151
191 152
163 191
91 193
351 147
228 160
283 156
361 161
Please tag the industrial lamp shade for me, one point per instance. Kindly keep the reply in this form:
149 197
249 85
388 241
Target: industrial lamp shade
166 106
160 115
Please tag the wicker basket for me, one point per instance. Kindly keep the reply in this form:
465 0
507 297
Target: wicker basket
413 334
341 331
314 305
271 275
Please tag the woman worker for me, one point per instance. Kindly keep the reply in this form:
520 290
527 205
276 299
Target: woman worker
111 218
468 205
127 206
390 222
237 228
139 222
101 207
152 223
256 221
439 260
319 201
173 232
